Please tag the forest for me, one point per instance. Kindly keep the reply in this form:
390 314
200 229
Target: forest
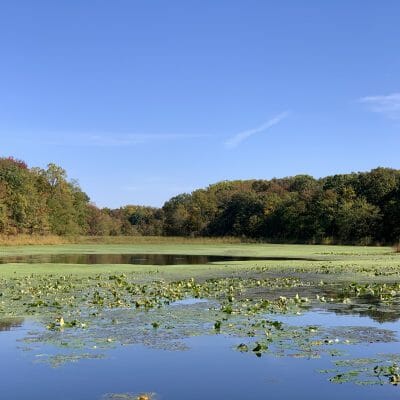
355 208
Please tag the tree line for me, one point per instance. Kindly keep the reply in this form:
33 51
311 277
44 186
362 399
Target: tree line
361 208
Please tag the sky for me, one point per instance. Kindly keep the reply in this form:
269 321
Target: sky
140 100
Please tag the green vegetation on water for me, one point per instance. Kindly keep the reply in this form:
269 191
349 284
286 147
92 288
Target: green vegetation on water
85 309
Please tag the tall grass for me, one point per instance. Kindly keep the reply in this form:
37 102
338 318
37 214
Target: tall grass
24 239
20 240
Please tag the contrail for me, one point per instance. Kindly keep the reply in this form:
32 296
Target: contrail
235 140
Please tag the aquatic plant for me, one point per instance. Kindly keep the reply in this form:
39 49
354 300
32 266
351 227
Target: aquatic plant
83 312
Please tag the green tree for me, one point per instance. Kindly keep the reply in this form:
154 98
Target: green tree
357 221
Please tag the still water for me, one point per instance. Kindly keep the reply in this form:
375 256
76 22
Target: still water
111 338
145 259
207 368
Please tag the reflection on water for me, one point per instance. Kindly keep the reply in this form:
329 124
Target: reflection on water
209 368
144 259
231 338
337 300
6 324
379 313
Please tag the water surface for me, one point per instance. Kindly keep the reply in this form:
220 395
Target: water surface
255 334
144 259
208 368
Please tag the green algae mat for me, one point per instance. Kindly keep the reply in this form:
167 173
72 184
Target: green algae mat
228 321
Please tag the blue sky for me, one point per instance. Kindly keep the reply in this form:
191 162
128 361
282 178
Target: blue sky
142 100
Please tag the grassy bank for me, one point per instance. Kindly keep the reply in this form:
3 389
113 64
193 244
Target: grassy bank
22 240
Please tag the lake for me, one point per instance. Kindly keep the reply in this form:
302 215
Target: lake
247 328
207 367
133 259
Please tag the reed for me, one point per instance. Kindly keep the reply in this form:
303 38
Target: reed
23 239
20 240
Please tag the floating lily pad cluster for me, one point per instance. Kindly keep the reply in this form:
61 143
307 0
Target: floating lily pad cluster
82 315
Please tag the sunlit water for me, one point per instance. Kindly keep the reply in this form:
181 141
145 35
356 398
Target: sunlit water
190 360
208 369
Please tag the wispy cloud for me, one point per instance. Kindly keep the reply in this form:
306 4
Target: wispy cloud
388 105
237 139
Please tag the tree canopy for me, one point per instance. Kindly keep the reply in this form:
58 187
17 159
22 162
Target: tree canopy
359 208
